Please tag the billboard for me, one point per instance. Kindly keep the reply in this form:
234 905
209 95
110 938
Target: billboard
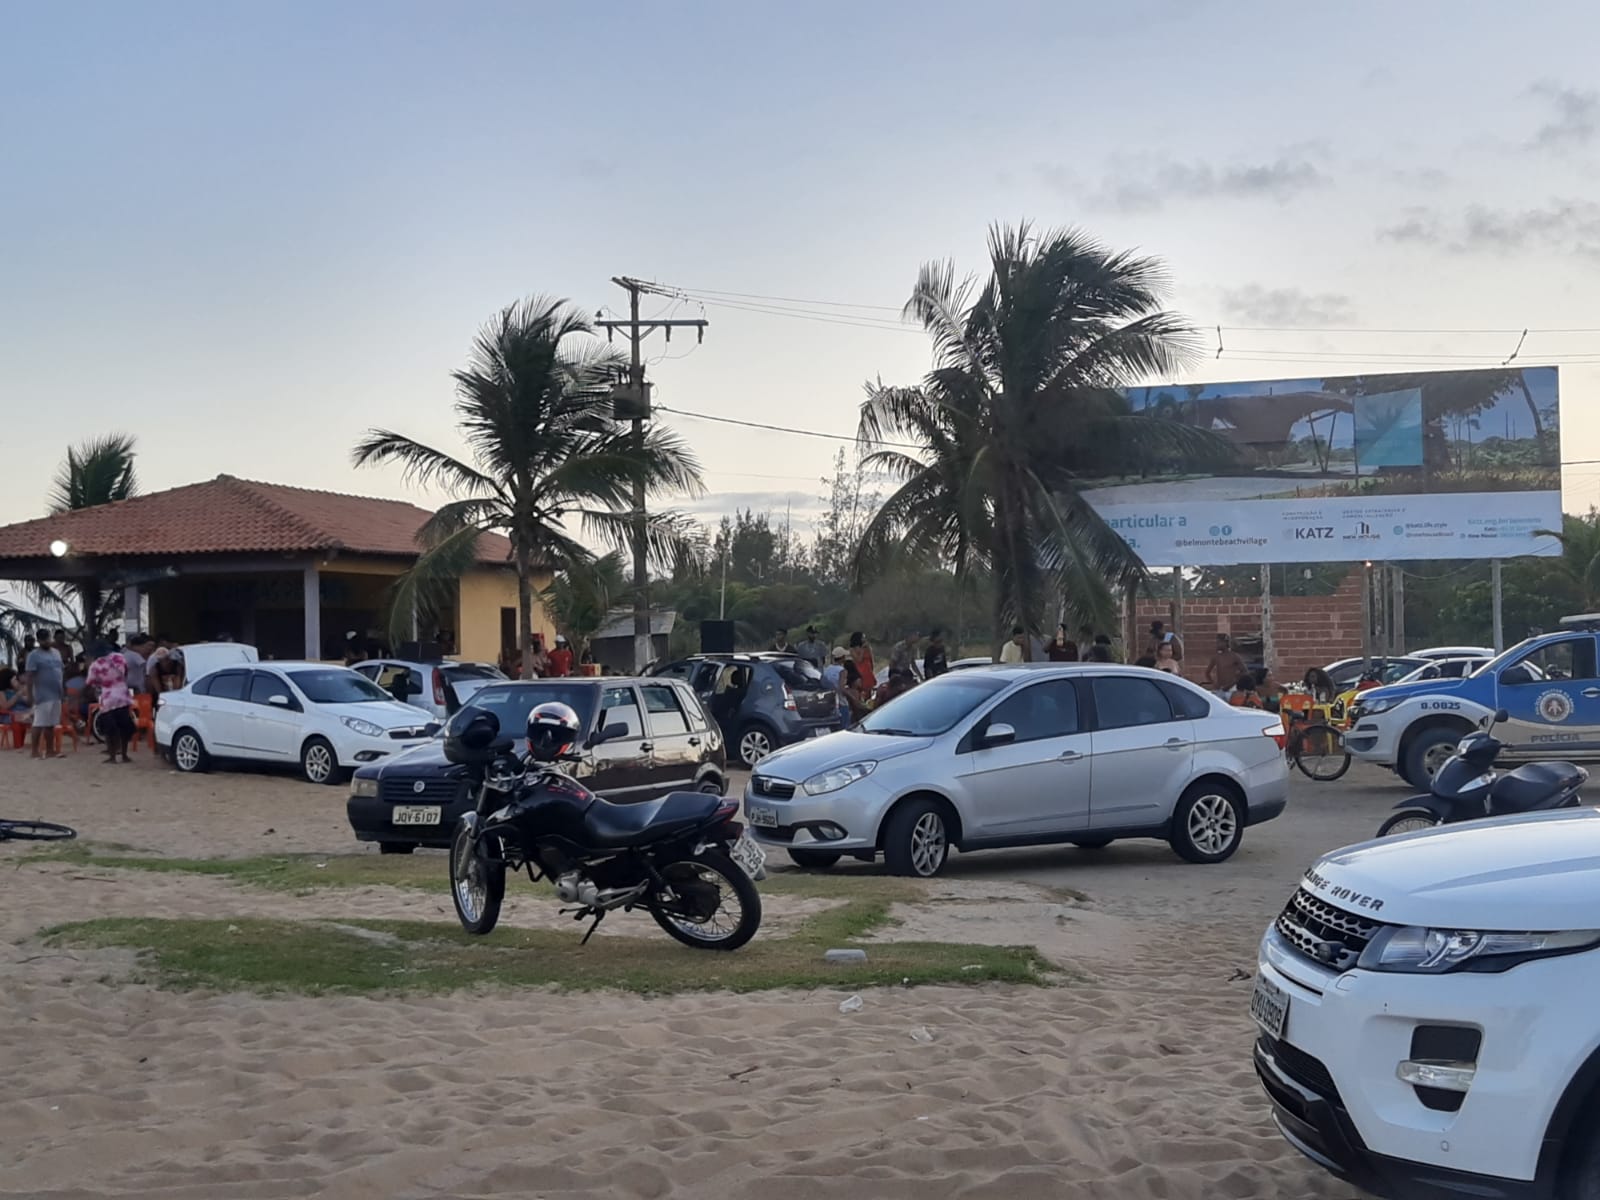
1443 464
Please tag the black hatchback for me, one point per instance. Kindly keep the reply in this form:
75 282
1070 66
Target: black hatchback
761 701
643 739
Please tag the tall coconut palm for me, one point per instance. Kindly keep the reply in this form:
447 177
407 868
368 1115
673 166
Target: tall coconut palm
534 408
98 471
1022 407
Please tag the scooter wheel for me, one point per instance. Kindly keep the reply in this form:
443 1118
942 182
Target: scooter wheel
1409 820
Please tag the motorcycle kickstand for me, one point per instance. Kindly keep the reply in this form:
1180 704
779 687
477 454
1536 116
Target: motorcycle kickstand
598 917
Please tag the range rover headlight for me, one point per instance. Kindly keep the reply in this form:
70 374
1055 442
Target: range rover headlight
1415 950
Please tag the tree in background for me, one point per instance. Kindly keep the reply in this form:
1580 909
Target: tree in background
1580 556
99 471
852 500
1023 406
581 596
534 408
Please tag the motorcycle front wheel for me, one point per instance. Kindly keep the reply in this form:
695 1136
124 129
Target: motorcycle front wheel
712 904
477 880
1408 820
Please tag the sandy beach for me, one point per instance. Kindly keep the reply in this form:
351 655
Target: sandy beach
1130 1078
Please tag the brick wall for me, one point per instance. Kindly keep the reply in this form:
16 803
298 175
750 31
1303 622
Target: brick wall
1307 631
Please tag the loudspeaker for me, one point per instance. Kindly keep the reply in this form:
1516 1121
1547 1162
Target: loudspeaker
716 637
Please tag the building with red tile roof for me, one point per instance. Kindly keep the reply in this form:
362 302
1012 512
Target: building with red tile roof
289 570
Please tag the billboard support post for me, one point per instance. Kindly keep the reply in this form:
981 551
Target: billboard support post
1266 616
1397 628
1494 590
1177 602
1366 617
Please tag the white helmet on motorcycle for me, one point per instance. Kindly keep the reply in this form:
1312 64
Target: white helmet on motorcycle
553 730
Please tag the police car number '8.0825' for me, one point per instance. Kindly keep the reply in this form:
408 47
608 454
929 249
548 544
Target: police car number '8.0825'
1440 706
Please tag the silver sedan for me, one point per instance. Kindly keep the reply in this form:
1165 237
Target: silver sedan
1025 755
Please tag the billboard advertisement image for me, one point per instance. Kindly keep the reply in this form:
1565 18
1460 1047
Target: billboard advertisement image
1442 464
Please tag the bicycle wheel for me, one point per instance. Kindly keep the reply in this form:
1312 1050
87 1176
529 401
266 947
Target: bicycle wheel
1320 754
35 831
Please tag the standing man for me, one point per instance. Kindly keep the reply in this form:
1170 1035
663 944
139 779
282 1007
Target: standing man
1014 651
780 643
905 652
136 653
45 685
814 650
1225 667
560 658
934 662
1159 636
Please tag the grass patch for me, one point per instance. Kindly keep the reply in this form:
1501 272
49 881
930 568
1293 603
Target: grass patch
357 956
320 958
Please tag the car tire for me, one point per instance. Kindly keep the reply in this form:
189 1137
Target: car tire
813 860
1207 824
319 763
1092 843
1425 747
755 742
396 847
189 753
916 839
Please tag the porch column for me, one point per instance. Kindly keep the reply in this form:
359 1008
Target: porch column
130 612
312 587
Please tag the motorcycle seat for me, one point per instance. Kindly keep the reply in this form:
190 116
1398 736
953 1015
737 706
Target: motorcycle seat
608 826
1537 785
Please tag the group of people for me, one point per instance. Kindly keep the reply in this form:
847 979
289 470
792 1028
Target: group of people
53 686
556 663
852 670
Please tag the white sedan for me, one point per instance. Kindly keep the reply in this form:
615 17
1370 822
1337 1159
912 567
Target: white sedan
328 719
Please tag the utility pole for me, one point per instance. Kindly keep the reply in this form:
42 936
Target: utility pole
631 401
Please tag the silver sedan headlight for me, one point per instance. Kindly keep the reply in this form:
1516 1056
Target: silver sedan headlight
1414 950
824 782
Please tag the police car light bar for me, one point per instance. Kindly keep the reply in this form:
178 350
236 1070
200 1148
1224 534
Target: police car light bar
1589 621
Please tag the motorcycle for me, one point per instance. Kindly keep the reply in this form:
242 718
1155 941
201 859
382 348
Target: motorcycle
1467 787
683 857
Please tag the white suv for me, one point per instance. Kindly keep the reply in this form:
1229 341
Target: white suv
1428 1016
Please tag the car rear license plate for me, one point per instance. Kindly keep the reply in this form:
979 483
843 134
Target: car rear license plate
820 731
761 816
1269 1005
750 857
417 814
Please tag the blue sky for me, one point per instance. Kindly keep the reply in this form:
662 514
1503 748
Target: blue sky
244 234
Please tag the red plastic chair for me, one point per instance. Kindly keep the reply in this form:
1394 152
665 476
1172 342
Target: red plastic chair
144 720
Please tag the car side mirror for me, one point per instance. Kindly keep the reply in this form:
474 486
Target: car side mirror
610 733
998 735
278 701
1500 715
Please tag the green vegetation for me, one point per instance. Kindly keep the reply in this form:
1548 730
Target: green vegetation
343 956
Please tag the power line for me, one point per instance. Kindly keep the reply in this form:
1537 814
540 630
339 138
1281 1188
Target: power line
778 299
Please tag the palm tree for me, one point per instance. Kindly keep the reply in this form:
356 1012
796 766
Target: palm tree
543 449
98 471
1580 553
1022 407
581 596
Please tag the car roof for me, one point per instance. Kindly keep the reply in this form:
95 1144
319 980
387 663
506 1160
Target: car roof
567 680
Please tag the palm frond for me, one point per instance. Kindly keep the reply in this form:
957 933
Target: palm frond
422 465
98 471
433 581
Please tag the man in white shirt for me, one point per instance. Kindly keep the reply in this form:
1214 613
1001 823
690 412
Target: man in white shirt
1013 651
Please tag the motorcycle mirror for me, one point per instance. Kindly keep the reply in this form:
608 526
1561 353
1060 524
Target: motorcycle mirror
1500 715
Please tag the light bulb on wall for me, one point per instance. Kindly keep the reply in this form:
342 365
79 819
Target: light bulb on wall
59 548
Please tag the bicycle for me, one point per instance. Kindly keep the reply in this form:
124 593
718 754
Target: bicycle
1315 746
35 831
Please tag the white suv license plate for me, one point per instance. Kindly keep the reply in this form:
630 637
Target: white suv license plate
1269 1005
750 857
761 816
416 814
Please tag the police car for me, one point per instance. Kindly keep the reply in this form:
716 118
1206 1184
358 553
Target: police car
1549 685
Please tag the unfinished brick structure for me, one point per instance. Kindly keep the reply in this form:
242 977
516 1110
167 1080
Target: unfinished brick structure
1306 631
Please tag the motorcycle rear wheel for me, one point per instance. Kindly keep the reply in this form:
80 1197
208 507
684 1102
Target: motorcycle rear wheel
700 916
477 881
1408 820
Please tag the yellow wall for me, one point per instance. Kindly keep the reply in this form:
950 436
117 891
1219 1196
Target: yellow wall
484 592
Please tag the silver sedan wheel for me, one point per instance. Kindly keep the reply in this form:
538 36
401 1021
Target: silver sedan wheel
318 763
186 752
927 844
1212 824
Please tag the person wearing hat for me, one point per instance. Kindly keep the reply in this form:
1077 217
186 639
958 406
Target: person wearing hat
844 677
814 650
560 658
